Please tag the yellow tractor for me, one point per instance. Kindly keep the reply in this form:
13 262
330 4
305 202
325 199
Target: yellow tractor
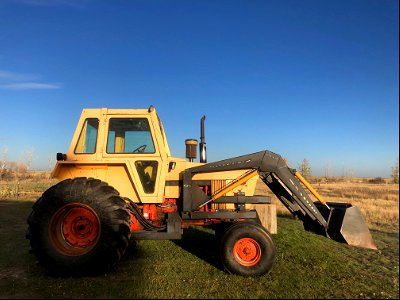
118 183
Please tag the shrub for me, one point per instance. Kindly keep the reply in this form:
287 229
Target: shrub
377 180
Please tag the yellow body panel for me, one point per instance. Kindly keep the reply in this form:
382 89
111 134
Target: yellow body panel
116 175
121 171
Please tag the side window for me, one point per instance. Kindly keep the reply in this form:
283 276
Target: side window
129 136
147 171
88 137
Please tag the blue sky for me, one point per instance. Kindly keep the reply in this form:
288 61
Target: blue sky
305 79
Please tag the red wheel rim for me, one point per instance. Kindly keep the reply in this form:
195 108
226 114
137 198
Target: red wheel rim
247 252
74 229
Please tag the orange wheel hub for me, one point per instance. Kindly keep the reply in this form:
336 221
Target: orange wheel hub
74 229
247 252
80 227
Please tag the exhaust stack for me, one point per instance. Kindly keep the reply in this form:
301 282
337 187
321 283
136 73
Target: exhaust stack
202 145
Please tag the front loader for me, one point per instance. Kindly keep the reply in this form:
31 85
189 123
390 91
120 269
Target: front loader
118 184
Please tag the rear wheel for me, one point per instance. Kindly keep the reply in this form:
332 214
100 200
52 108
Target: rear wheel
79 226
247 249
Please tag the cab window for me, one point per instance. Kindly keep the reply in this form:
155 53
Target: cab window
129 135
147 171
88 137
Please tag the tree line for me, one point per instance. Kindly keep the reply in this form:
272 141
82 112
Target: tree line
305 170
11 169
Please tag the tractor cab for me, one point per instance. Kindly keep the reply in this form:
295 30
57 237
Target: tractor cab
119 146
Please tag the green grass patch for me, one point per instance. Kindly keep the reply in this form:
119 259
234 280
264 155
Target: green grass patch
307 266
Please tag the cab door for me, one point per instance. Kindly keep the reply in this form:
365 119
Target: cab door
133 140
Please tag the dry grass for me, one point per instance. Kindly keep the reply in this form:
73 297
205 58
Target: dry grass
379 203
29 187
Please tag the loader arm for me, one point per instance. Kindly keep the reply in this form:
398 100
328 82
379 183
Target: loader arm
318 216
275 173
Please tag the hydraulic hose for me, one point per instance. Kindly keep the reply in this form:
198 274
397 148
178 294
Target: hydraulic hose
142 220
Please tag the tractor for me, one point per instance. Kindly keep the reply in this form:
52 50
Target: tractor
118 184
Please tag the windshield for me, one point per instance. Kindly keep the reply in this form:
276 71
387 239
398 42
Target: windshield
129 135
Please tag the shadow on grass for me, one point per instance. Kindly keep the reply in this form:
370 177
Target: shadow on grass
13 230
202 244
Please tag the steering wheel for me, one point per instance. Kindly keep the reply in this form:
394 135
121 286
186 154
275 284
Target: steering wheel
139 149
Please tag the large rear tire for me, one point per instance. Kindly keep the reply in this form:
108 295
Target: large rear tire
247 249
79 226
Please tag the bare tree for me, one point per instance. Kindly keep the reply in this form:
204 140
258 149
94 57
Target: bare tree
350 174
26 159
305 169
3 162
395 172
327 171
51 162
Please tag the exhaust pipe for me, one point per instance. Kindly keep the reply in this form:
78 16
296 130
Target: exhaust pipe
202 145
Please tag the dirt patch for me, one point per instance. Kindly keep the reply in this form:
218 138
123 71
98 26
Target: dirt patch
12 273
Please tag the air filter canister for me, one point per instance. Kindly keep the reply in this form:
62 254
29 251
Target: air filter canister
191 149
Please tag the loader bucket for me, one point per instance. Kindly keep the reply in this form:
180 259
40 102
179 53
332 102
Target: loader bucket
346 224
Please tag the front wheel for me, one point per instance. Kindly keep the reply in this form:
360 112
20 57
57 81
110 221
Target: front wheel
247 249
79 226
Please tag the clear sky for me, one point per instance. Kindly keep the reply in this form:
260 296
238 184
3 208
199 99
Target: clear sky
303 78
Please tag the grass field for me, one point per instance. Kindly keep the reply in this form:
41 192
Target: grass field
307 265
